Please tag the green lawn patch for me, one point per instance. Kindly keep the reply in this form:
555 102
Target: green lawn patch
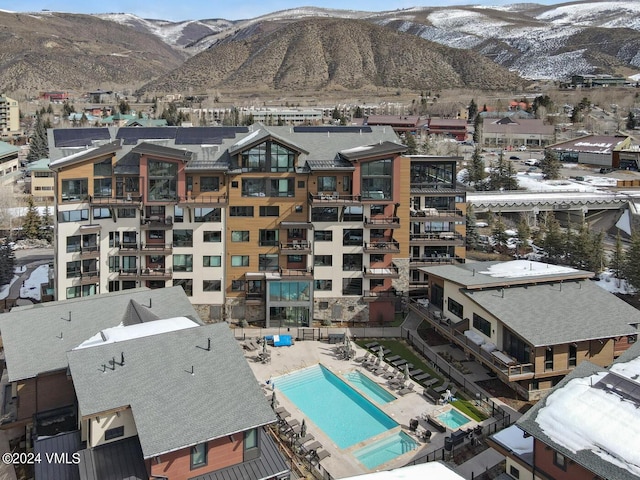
469 409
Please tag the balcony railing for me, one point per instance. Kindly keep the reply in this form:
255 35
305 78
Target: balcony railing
157 248
437 238
382 222
328 198
156 222
296 272
204 200
124 200
299 246
382 247
431 213
379 296
434 260
145 273
129 247
87 278
382 272
507 368
92 251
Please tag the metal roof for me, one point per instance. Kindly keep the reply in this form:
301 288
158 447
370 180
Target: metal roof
558 313
37 337
184 387
65 443
90 153
7 149
113 461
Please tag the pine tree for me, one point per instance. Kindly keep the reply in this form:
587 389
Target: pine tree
617 259
410 141
7 262
473 109
475 170
123 107
38 144
46 226
477 128
631 121
554 240
524 234
499 235
631 268
502 176
31 223
335 114
357 113
473 238
550 165
596 259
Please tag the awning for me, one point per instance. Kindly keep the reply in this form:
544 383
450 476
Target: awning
254 275
305 225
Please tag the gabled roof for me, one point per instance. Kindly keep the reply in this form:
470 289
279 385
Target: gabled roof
87 154
184 387
37 337
589 422
146 148
7 149
136 313
41 165
517 126
261 135
374 150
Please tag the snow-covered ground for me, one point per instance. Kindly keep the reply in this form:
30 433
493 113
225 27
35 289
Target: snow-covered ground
31 287
614 285
4 291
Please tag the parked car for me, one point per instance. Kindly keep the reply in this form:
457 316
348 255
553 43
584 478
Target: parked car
522 148
606 170
531 162
514 157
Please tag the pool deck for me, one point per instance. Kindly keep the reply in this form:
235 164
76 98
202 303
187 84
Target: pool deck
341 463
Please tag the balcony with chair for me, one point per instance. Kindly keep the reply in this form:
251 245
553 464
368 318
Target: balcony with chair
157 248
382 222
296 247
381 272
155 273
434 214
437 238
129 247
382 247
204 200
333 199
156 222
296 273
90 251
129 199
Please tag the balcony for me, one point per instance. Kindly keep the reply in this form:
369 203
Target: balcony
431 214
435 260
382 247
297 273
92 251
437 238
382 272
379 296
157 248
333 199
155 273
296 247
254 298
127 247
156 222
382 222
129 199
204 200
507 368
89 278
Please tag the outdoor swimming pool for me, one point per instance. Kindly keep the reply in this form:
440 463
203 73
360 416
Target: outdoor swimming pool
335 407
371 389
385 449
453 419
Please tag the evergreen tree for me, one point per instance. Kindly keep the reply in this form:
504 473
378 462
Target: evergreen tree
67 108
617 259
553 242
170 114
46 226
579 247
473 109
550 165
631 121
473 238
357 113
596 259
31 223
38 144
631 269
477 128
475 170
524 234
50 109
335 114
499 234
7 262
123 107
502 176
410 141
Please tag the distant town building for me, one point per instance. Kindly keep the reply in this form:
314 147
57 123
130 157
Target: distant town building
601 150
9 163
42 181
511 132
9 118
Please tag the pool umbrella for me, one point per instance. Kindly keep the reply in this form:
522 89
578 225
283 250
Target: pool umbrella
273 400
303 429
264 345
406 372
381 355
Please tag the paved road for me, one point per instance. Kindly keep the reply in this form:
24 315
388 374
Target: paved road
29 255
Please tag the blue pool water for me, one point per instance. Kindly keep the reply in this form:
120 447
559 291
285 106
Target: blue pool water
453 419
371 389
334 406
385 449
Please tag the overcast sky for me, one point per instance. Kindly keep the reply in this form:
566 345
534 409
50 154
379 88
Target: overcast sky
228 9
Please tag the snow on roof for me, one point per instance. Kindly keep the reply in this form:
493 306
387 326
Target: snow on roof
424 470
248 138
121 333
357 149
525 268
72 156
513 438
580 416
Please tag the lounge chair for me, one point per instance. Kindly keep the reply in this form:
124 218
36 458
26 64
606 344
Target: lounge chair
307 438
422 376
415 372
363 358
442 387
251 346
390 374
393 358
399 363
453 391
372 345
282 412
381 369
408 389
321 455
313 446
430 382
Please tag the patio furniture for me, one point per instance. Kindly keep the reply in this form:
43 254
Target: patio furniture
312 447
282 412
442 387
393 358
390 374
415 372
399 363
372 345
321 455
422 376
381 370
430 382
408 389
364 357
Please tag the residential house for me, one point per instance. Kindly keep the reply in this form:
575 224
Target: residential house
42 181
9 118
586 428
401 124
132 385
55 96
511 132
599 150
277 225
528 322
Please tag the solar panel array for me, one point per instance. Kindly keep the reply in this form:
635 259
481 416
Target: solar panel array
79 137
331 129
207 135
131 135
622 386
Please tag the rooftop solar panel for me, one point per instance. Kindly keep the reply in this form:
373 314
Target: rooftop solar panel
331 129
131 135
79 137
198 136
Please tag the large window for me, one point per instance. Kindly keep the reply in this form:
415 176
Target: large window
239 260
75 190
114 264
209 184
268 156
352 262
211 285
377 180
352 237
211 261
282 159
481 324
126 212
212 237
323 285
241 211
515 347
102 169
282 187
183 238
270 211
433 174
102 187
268 262
73 243
163 177
325 214
269 238
251 444
255 159
327 184
254 187
240 236
101 212
289 291
455 308
352 286
323 235
73 269
73 292
73 216
201 215
322 260
183 263
186 284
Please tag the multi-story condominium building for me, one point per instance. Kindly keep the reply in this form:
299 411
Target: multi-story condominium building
279 225
438 217
42 181
9 118
528 322
9 163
